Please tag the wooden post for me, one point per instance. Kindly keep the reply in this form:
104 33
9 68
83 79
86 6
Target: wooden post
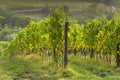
118 55
118 51
66 45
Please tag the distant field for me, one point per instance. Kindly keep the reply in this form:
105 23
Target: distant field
25 4
28 4
34 8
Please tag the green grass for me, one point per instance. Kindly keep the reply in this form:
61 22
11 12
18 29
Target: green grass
3 45
35 69
94 71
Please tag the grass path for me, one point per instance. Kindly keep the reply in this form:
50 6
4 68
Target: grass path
34 69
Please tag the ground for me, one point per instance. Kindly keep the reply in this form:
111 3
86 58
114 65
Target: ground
32 68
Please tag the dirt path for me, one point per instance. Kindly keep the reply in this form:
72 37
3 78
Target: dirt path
35 11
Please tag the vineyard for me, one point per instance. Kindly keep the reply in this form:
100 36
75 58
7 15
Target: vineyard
95 41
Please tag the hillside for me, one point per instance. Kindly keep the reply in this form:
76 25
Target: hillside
20 4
